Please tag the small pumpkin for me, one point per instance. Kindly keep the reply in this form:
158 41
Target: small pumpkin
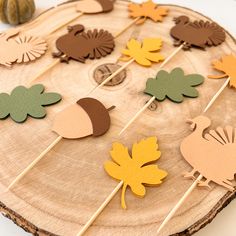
16 12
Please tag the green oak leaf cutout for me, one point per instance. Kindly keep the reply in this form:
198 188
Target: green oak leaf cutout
26 101
174 85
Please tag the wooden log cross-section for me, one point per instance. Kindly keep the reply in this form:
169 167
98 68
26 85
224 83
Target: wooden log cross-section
59 195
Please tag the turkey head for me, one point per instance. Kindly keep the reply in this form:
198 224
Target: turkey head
80 45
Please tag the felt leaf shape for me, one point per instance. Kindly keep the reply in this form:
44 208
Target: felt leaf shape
80 45
174 85
211 153
143 53
147 10
197 33
227 64
136 170
21 49
94 6
87 117
26 101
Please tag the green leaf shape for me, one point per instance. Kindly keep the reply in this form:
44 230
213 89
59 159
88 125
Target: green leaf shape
174 85
26 101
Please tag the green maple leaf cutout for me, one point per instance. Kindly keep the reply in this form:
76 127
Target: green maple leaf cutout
174 85
26 101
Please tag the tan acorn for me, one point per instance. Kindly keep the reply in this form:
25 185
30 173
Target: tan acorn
16 12
87 117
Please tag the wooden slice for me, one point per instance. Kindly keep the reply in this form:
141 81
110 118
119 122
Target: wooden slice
63 191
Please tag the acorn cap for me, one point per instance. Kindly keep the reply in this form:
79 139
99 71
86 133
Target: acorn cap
98 115
107 5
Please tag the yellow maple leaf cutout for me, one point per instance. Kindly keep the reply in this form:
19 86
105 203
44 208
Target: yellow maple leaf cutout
227 64
143 53
135 171
147 10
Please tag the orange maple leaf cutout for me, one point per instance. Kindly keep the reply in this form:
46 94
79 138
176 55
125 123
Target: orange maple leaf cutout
226 64
147 10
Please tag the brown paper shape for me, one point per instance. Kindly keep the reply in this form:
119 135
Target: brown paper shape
198 33
87 117
80 45
94 6
20 49
147 10
212 153
227 64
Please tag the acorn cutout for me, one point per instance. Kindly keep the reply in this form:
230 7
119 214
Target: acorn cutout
87 117
21 49
197 33
80 45
94 6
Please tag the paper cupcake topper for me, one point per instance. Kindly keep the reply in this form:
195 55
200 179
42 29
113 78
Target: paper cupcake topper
21 49
144 53
94 6
24 102
212 154
147 10
80 45
136 170
227 65
87 117
174 85
198 33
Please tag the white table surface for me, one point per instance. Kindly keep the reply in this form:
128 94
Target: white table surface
223 12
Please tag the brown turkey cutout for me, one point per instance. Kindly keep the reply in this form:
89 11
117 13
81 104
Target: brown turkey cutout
212 154
198 33
21 49
80 45
94 6
87 117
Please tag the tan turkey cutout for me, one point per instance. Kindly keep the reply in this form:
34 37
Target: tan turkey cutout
87 117
212 154
94 6
20 49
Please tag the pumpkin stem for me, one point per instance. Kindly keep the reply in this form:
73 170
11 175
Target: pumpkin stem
123 204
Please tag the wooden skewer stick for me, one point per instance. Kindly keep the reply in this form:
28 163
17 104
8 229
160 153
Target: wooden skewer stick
127 27
111 76
217 94
100 209
29 167
153 98
192 187
56 62
138 114
65 23
171 56
179 204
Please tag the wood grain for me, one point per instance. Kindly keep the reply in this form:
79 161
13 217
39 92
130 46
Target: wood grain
63 191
